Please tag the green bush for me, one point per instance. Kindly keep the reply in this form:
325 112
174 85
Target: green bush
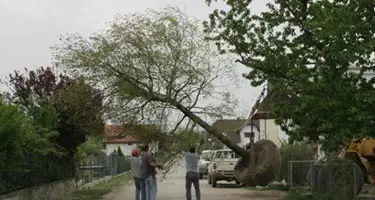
297 151
30 155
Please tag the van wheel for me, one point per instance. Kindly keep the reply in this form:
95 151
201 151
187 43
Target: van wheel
214 181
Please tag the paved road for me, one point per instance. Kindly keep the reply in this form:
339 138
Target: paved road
173 188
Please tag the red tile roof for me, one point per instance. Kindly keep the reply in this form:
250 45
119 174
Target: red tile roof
115 134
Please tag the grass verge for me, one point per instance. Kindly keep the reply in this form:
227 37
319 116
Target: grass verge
98 191
304 195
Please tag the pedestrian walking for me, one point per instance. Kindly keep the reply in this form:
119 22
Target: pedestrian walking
139 181
192 174
149 166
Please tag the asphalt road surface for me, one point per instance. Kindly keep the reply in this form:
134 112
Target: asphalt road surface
173 188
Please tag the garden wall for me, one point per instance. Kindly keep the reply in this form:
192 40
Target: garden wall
43 192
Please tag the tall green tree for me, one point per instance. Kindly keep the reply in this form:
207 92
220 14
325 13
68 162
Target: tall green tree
305 49
14 131
80 110
154 63
21 137
59 103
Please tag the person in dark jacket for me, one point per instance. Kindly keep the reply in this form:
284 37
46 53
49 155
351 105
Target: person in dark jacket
139 181
149 166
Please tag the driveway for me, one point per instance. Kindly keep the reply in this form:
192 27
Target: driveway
173 188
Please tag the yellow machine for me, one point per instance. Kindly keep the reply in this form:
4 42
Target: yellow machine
362 152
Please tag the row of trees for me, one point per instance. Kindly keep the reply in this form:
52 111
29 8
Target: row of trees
43 119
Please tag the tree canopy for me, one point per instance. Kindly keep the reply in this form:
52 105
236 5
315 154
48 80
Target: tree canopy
151 65
69 108
305 50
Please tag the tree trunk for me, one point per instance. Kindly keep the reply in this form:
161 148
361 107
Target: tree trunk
212 131
259 166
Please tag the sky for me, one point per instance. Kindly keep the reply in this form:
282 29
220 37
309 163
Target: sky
30 27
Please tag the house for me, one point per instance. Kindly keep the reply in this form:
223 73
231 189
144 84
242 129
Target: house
366 74
260 113
124 138
268 128
237 130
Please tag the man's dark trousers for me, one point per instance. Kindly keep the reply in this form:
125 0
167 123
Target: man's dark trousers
192 178
140 188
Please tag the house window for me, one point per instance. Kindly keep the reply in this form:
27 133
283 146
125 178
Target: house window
249 134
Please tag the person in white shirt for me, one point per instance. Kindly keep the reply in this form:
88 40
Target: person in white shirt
192 174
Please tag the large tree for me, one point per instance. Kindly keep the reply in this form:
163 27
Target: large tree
74 107
153 64
304 50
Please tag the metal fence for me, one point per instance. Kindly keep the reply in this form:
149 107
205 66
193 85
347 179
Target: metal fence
100 166
38 170
34 170
330 179
299 174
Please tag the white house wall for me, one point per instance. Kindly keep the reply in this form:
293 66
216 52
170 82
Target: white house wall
125 148
246 140
367 74
270 130
274 133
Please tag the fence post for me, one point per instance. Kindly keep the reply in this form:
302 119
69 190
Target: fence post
290 173
312 179
30 162
355 180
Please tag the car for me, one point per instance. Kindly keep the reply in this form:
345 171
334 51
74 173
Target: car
204 161
221 166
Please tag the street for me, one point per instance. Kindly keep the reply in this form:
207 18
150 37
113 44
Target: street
173 188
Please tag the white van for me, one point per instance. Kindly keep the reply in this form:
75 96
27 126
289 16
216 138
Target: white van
221 166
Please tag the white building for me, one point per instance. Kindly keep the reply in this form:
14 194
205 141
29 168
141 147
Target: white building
237 130
245 133
367 74
268 129
117 138
267 126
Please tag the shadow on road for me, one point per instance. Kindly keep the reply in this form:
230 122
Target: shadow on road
223 184
228 185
